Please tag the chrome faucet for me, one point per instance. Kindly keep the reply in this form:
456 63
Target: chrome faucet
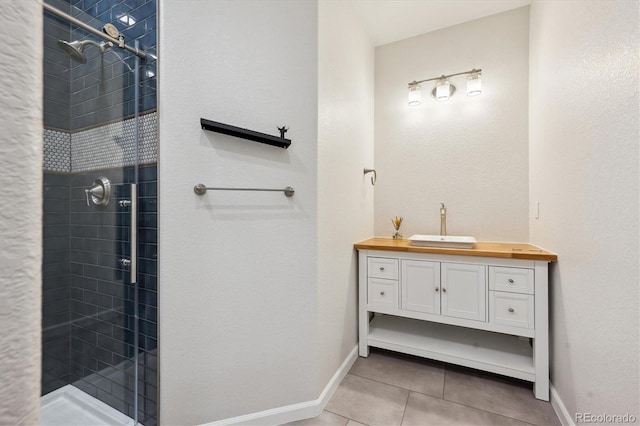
443 219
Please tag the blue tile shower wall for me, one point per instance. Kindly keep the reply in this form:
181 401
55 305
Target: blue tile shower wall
88 304
55 282
56 70
103 89
77 96
102 301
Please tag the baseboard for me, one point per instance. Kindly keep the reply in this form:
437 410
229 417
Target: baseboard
558 406
299 411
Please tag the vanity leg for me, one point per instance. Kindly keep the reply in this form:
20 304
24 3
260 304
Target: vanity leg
363 314
364 332
541 341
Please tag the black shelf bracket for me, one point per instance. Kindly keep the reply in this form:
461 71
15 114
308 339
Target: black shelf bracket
239 132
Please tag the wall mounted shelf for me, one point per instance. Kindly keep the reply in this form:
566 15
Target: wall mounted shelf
239 132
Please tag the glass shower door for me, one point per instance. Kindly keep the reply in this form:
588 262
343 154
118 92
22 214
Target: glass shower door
99 267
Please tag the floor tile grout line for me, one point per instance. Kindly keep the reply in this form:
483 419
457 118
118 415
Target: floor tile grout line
442 398
471 406
406 403
444 383
479 409
340 415
395 386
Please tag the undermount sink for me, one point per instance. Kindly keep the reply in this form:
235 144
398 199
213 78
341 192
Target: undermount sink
447 241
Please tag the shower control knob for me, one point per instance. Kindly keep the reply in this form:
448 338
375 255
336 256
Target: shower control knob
125 262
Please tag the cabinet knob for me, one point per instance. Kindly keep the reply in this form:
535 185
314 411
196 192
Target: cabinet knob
511 310
437 289
510 280
382 268
382 293
444 290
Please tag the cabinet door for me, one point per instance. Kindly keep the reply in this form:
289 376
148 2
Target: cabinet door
464 291
420 286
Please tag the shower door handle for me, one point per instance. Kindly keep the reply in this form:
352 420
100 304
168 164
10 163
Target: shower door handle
133 234
132 262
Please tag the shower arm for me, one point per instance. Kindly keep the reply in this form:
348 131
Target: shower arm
74 21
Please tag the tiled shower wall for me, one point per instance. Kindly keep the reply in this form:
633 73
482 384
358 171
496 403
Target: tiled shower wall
103 89
88 303
56 67
88 307
102 302
55 282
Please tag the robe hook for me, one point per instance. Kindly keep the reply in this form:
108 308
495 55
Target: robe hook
374 177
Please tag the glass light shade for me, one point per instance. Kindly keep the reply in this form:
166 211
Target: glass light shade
474 85
414 95
443 90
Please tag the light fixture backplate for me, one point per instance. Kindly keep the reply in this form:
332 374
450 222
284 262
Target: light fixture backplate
453 90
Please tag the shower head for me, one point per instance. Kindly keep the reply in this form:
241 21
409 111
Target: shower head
75 49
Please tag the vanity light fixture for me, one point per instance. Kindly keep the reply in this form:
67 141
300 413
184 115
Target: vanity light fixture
443 89
474 84
414 95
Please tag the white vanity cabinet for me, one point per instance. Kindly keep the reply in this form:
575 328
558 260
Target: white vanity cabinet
461 306
449 289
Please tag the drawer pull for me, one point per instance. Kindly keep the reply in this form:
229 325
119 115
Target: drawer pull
382 268
382 293
510 280
511 310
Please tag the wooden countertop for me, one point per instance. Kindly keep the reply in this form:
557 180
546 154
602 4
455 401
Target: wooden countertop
486 249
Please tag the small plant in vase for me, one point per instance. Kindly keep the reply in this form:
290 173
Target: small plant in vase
396 224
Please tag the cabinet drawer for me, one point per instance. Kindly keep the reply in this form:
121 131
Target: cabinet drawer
382 294
382 267
513 280
512 309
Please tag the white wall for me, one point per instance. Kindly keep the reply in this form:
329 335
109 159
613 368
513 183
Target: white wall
584 172
238 271
468 152
345 195
21 212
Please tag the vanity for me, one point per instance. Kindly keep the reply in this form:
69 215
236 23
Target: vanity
484 307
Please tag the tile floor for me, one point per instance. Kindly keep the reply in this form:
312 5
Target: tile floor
389 389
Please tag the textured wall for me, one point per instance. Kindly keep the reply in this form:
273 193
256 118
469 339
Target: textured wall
238 269
345 195
468 152
21 213
584 172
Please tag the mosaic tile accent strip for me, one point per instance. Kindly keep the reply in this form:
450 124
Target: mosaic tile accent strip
57 147
113 145
103 147
148 144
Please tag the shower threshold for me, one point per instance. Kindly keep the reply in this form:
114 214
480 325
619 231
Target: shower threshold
69 406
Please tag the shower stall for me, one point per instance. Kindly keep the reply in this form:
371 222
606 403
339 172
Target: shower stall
99 285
